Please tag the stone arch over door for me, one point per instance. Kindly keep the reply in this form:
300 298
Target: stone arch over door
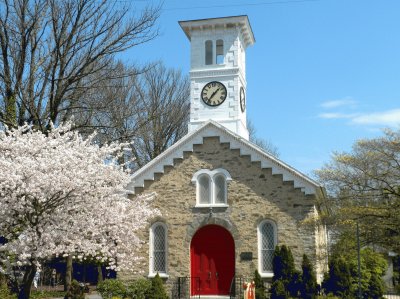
212 261
199 222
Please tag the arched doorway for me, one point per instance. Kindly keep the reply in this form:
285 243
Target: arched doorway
212 258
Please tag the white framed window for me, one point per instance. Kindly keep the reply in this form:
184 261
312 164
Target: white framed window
211 187
158 250
267 240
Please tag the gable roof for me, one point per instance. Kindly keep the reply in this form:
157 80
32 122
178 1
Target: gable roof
214 129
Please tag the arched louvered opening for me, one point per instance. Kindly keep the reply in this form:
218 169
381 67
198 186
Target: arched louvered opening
209 52
219 51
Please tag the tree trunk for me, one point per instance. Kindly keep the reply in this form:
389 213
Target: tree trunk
99 274
11 110
25 290
68 274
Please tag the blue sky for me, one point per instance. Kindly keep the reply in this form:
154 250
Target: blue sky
321 75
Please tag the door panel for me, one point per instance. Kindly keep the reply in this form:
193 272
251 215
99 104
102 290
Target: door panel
213 260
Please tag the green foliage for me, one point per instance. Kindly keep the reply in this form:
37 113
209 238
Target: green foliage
285 272
36 294
308 288
4 291
373 266
363 185
111 287
139 289
283 263
338 280
376 288
278 290
259 285
157 288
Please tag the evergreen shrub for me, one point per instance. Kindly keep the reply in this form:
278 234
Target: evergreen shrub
308 288
259 285
139 289
111 288
157 288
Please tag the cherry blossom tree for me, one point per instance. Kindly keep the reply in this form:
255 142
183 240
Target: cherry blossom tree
60 195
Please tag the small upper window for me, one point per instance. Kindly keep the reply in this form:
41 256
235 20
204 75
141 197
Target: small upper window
219 51
211 187
209 52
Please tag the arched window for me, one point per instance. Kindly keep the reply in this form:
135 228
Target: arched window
219 51
158 249
267 240
220 188
211 186
209 52
204 192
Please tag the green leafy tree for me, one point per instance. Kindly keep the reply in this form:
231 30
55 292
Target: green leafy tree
363 186
373 266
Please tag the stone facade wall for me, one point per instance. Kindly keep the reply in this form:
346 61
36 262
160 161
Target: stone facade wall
254 194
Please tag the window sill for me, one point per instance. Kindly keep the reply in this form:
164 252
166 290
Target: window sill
211 206
162 275
267 274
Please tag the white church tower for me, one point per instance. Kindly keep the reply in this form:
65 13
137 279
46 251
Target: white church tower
218 71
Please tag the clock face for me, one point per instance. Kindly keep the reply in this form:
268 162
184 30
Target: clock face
213 93
242 99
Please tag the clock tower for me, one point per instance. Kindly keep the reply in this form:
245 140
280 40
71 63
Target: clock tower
218 71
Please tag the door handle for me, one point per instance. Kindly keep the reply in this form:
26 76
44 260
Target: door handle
216 275
209 275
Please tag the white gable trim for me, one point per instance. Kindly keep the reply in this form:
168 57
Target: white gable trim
213 129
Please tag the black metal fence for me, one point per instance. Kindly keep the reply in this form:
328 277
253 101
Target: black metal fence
186 287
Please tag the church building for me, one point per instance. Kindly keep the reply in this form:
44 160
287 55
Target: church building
225 202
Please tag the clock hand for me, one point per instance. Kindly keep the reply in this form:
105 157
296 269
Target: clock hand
213 94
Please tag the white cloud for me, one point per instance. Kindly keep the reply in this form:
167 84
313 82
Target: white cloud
388 118
385 118
345 102
336 115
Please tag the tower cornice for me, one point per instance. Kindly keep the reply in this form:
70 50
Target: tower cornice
225 22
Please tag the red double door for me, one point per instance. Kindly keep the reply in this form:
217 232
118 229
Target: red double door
212 258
